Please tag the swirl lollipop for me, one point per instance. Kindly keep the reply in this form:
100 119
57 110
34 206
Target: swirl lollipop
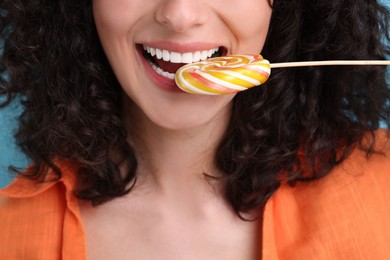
235 73
223 75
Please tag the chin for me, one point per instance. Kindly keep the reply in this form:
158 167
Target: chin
187 120
154 108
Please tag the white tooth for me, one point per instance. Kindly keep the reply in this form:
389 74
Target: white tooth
166 55
210 52
152 51
176 57
144 46
161 72
148 49
186 57
196 56
203 55
169 75
159 53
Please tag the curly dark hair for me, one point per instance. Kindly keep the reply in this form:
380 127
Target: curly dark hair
297 127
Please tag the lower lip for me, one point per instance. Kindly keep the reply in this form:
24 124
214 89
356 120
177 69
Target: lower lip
160 81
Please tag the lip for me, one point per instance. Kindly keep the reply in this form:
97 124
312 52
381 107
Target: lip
182 47
160 81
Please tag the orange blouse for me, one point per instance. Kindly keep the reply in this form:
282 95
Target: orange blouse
345 215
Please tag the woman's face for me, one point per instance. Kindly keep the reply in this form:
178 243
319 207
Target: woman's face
180 30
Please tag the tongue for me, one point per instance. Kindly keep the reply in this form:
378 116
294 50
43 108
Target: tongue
168 66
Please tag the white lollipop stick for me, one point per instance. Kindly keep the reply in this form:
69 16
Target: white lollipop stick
329 63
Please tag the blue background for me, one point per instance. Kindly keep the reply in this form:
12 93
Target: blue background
9 152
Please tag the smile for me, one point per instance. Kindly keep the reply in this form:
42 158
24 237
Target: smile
166 62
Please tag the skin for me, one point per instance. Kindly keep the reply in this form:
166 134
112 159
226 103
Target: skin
173 212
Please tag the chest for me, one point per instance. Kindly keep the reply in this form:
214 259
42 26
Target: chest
147 236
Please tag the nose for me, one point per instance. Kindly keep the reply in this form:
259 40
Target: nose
180 15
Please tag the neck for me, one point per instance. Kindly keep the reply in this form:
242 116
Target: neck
176 160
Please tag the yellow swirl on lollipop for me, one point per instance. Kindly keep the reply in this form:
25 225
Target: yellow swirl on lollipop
223 75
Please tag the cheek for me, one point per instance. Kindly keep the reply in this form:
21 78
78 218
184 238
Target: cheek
256 23
115 16
104 16
249 23
114 22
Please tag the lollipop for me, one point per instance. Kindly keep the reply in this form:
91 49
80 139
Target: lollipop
235 73
223 75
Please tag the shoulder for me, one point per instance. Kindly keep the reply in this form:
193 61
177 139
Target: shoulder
32 214
359 175
28 220
345 214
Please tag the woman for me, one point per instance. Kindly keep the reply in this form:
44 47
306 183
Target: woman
126 166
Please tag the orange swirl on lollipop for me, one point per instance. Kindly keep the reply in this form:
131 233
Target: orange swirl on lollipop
223 75
235 73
